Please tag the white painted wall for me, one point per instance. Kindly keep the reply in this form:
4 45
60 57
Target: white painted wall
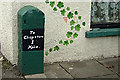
55 30
6 30
0 24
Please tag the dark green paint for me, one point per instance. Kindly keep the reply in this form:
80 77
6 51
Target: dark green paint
103 32
30 62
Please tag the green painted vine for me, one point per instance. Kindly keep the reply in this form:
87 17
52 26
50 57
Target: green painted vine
74 19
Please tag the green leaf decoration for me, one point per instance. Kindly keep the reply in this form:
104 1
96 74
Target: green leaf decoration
50 49
55 9
79 17
83 23
60 42
60 4
68 8
66 42
52 3
47 1
75 35
63 12
72 27
72 22
56 48
76 13
70 15
46 53
77 27
71 41
69 34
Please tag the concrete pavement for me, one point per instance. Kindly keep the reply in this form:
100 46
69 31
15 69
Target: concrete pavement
100 68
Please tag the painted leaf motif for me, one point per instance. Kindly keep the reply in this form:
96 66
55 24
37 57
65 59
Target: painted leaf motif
77 27
47 1
75 35
52 3
72 22
66 42
56 48
55 9
70 15
69 34
60 4
60 42
71 41
50 49
83 23
79 17
46 53
76 13
63 12
72 27
68 8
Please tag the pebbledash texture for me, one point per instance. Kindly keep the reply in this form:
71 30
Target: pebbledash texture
55 30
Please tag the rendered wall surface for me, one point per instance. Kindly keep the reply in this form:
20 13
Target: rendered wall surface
55 30
6 30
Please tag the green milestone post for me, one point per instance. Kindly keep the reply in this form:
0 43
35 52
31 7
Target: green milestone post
31 40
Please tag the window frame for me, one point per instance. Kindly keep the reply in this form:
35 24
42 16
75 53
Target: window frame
103 29
105 25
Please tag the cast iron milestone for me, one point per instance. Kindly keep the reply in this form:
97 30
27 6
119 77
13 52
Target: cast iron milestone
31 40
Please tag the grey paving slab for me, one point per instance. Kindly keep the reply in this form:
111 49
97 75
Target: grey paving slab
107 76
85 69
115 62
55 71
35 76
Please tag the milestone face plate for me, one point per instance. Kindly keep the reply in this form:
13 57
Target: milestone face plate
33 40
